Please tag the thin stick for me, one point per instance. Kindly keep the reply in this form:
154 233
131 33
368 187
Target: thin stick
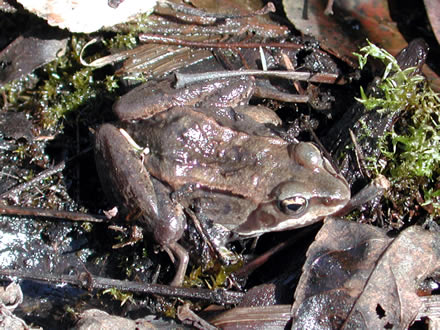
360 159
374 189
259 261
185 79
100 283
41 176
159 39
39 212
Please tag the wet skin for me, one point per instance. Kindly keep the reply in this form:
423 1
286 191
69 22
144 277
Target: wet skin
205 148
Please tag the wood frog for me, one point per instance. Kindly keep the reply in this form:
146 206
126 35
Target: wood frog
204 148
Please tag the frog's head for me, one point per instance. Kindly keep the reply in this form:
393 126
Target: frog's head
313 191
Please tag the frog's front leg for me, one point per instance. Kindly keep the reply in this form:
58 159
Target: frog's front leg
123 173
146 100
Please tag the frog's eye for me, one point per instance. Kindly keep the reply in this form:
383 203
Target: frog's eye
293 205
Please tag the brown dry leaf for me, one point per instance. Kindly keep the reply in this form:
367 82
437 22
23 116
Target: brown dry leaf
312 21
227 6
376 23
356 276
26 53
267 317
158 60
340 39
86 16
262 24
374 17
266 306
432 9
97 319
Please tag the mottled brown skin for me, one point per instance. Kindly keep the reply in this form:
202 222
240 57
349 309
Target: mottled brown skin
241 175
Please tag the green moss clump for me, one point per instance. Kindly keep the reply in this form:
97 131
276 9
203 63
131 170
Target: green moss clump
399 87
123 297
213 275
411 149
59 88
65 85
69 85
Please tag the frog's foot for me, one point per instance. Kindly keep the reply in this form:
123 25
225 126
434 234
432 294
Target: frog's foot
135 236
182 262
181 193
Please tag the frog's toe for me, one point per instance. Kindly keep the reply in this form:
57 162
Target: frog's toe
182 264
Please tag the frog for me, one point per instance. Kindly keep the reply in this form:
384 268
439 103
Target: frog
205 148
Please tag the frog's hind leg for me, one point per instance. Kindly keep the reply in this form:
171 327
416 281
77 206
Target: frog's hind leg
176 250
131 183
122 171
169 229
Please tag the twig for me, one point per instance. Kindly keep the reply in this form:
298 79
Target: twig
374 189
360 159
63 215
101 283
259 261
205 237
159 39
41 176
103 61
185 79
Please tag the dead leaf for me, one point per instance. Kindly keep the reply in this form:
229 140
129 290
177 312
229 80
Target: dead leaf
339 38
432 9
16 125
265 306
86 16
376 23
11 296
312 21
379 28
356 276
26 53
96 319
267 317
157 60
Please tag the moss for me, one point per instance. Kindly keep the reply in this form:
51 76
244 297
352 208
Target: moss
60 88
398 87
411 149
169 310
122 41
65 85
123 297
128 39
69 86
213 274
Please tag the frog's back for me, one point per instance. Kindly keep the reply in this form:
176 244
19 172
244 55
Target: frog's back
188 147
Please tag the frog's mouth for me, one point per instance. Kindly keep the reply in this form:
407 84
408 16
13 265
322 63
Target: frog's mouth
269 217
